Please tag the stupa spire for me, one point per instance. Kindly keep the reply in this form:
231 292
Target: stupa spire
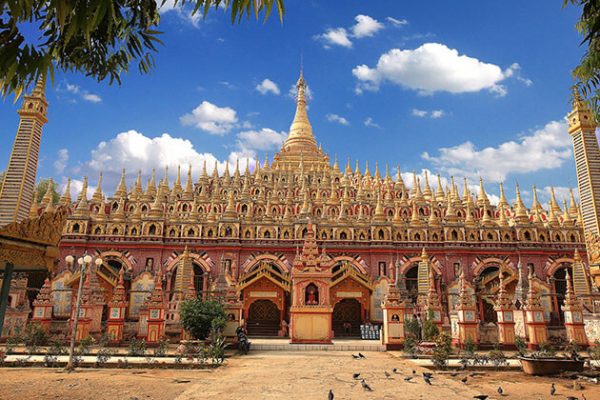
301 137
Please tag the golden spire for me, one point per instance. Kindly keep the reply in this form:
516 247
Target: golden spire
573 209
567 220
379 215
83 189
466 192
122 188
433 219
536 206
399 181
82 206
427 189
49 195
188 193
348 167
151 187
301 138
439 193
177 186
482 197
502 222
367 171
137 186
97 197
502 201
65 200
520 212
377 174
33 211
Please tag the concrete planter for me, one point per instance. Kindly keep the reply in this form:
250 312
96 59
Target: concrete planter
549 366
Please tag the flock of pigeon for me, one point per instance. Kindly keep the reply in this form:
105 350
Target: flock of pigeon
427 378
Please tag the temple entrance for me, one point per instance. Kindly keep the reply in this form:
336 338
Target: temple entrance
347 318
557 317
263 318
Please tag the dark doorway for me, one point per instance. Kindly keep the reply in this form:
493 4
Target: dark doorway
346 318
263 318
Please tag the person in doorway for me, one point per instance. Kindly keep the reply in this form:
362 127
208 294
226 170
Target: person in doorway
284 328
420 322
347 327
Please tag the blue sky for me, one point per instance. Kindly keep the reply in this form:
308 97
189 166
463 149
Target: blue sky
458 88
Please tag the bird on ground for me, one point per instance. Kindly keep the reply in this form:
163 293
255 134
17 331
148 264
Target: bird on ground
356 357
330 396
414 372
572 398
355 375
387 374
361 355
395 370
427 380
454 374
427 375
464 380
365 386
408 378
500 391
481 396
552 390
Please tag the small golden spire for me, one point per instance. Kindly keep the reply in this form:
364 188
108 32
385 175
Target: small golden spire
97 197
121 191
65 200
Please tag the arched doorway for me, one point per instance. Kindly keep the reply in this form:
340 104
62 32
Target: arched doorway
412 283
263 318
557 317
347 317
487 285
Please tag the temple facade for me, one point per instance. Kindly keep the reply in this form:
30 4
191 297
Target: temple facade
300 246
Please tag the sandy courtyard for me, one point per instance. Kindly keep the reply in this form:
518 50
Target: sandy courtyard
277 375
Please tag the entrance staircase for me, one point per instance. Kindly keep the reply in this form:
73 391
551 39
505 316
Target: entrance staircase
262 328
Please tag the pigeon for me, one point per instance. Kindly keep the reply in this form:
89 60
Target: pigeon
500 391
552 390
454 374
361 355
355 375
330 396
387 374
365 386
414 372
395 370
464 380
356 357
408 378
427 375
481 396
427 380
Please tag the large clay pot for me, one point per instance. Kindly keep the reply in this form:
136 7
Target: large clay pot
549 366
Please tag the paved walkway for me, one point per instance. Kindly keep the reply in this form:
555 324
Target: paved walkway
283 344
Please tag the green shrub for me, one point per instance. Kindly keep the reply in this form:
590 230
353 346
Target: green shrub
410 346
57 348
34 336
430 329
103 356
216 348
469 347
199 317
161 349
593 350
497 357
411 327
521 346
546 350
442 351
85 344
137 347
11 343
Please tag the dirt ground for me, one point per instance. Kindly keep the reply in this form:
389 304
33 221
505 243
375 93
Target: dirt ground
279 375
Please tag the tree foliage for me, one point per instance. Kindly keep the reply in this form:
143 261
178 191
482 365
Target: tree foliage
42 187
199 317
99 38
587 73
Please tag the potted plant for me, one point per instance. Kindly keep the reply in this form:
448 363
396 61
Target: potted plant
546 362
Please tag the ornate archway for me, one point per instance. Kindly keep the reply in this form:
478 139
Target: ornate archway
263 318
346 318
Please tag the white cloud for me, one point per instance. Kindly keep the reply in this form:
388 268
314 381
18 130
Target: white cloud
365 26
92 98
211 118
77 91
370 123
335 36
337 118
396 22
182 12
263 140
418 113
435 114
268 86
431 68
545 148
62 157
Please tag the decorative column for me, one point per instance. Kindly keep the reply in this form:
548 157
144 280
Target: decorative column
311 309
504 311
468 323
534 317
396 310
115 323
433 306
574 316
42 307
85 311
156 312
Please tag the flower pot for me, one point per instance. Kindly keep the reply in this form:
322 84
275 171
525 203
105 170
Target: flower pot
549 366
